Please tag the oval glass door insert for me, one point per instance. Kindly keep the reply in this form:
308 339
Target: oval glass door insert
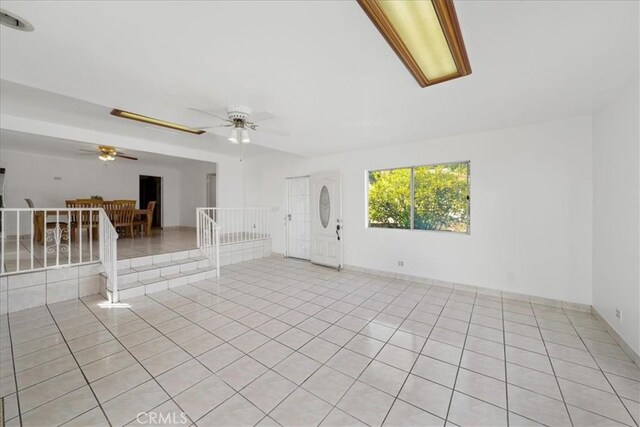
325 206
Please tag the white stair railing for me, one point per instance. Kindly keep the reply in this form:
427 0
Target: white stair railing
241 224
208 237
109 253
39 239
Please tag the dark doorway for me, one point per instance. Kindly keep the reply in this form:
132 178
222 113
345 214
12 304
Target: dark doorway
151 190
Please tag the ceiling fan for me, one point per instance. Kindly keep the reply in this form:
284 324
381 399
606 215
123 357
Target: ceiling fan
106 153
241 121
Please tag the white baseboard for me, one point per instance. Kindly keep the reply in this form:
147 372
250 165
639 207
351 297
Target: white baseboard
616 336
585 308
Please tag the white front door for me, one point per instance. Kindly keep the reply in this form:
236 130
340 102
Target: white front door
326 219
297 221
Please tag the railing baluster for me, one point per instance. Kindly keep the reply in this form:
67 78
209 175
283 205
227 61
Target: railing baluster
18 241
31 254
44 237
69 240
91 220
79 229
3 237
57 237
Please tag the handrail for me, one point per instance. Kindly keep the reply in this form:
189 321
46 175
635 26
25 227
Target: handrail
109 253
36 239
239 225
208 237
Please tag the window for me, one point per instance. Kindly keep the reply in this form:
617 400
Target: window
432 197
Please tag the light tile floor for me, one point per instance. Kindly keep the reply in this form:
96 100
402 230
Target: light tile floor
282 342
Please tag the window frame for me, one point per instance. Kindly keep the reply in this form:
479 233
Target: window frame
412 194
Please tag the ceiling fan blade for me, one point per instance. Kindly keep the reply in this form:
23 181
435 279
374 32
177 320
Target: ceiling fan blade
261 116
126 157
226 125
210 113
87 154
89 151
271 131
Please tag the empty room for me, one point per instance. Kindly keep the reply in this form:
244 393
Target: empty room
320 213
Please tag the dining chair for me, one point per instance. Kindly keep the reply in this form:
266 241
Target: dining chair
121 214
39 223
145 223
84 218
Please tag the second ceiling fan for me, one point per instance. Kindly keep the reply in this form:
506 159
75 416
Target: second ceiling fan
240 121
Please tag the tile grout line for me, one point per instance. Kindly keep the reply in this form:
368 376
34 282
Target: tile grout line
553 370
396 397
139 362
79 368
603 373
455 381
15 374
296 350
504 348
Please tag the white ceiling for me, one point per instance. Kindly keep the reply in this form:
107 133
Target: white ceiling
64 148
321 67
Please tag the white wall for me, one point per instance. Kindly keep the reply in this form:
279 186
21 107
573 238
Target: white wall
531 209
193 191
33 176
616 213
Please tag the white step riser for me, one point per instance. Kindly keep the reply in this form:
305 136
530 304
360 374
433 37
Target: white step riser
157 259
163 285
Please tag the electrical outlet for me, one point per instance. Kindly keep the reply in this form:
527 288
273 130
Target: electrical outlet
619 315
400 263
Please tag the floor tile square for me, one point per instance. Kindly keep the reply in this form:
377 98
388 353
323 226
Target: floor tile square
203 397
435 370
349 362
268 391
465 410
241 372
397 357
271 353
366 403
220 356
328 384
383 377
426 395
404 415
180 378
237 411
297 367
319 349
301 408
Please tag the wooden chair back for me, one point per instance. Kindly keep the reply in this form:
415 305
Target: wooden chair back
84 217
121 212
150 208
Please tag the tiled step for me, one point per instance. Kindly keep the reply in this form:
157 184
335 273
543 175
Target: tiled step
161 283
144 275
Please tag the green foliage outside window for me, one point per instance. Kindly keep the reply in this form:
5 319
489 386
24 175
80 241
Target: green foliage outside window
441 198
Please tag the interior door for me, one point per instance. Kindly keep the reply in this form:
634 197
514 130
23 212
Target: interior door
297 221
326 219
151 190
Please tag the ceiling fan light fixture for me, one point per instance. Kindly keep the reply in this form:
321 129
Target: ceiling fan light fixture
425 34
233 137
145 119
245 136
106 157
